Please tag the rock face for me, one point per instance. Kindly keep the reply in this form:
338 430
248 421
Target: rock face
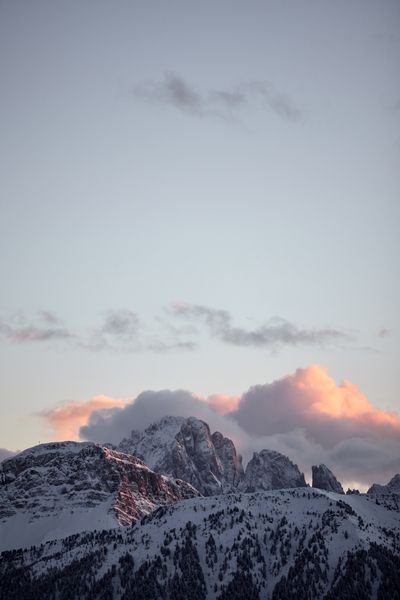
270 470
324 479
393 487
185 449
72 486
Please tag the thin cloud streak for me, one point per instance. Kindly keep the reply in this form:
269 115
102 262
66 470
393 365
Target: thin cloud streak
120 331
274 333
33 333
174 91
123 331
384 332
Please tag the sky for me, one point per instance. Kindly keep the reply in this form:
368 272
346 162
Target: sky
202 197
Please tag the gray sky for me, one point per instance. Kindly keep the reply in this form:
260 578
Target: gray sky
162 162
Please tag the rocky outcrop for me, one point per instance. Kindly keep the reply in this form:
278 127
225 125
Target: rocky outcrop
270 470
59 481
324 479
393 487
185 449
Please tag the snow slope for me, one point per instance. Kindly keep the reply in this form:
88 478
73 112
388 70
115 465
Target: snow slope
287 544
54 490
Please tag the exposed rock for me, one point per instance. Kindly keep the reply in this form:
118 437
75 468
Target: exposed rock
349 491
324 479
393 487
83 483
270 470
185 449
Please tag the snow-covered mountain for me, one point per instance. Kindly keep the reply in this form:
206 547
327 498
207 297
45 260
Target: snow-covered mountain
185 449
93 522
324 479
298 544
54 490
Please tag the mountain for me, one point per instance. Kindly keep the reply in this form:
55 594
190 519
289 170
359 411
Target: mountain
393 487
185 449
54 490
297 544
324 479
81 521
270 470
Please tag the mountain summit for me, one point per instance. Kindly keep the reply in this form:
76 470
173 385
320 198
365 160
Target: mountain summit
324 479
186 449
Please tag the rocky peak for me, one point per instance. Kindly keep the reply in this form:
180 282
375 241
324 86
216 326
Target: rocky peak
185 449
324 479
393 487
270 470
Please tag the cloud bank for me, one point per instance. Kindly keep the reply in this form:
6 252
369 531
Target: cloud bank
175 91
305 415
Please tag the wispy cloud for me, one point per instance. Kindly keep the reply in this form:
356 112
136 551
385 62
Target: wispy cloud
18 329
124 331
118 330
175 91
47 316
384 332
276 332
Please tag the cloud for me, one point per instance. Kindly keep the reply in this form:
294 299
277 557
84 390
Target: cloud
66 420
384 332
173 90
310 399
123 323
274 333
4 453
119 330
48 316
32 333
223 404
305 415
122 330
148 407
338 424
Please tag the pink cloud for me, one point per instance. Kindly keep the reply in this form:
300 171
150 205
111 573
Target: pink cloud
223 404
305 415
312 400
67 419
